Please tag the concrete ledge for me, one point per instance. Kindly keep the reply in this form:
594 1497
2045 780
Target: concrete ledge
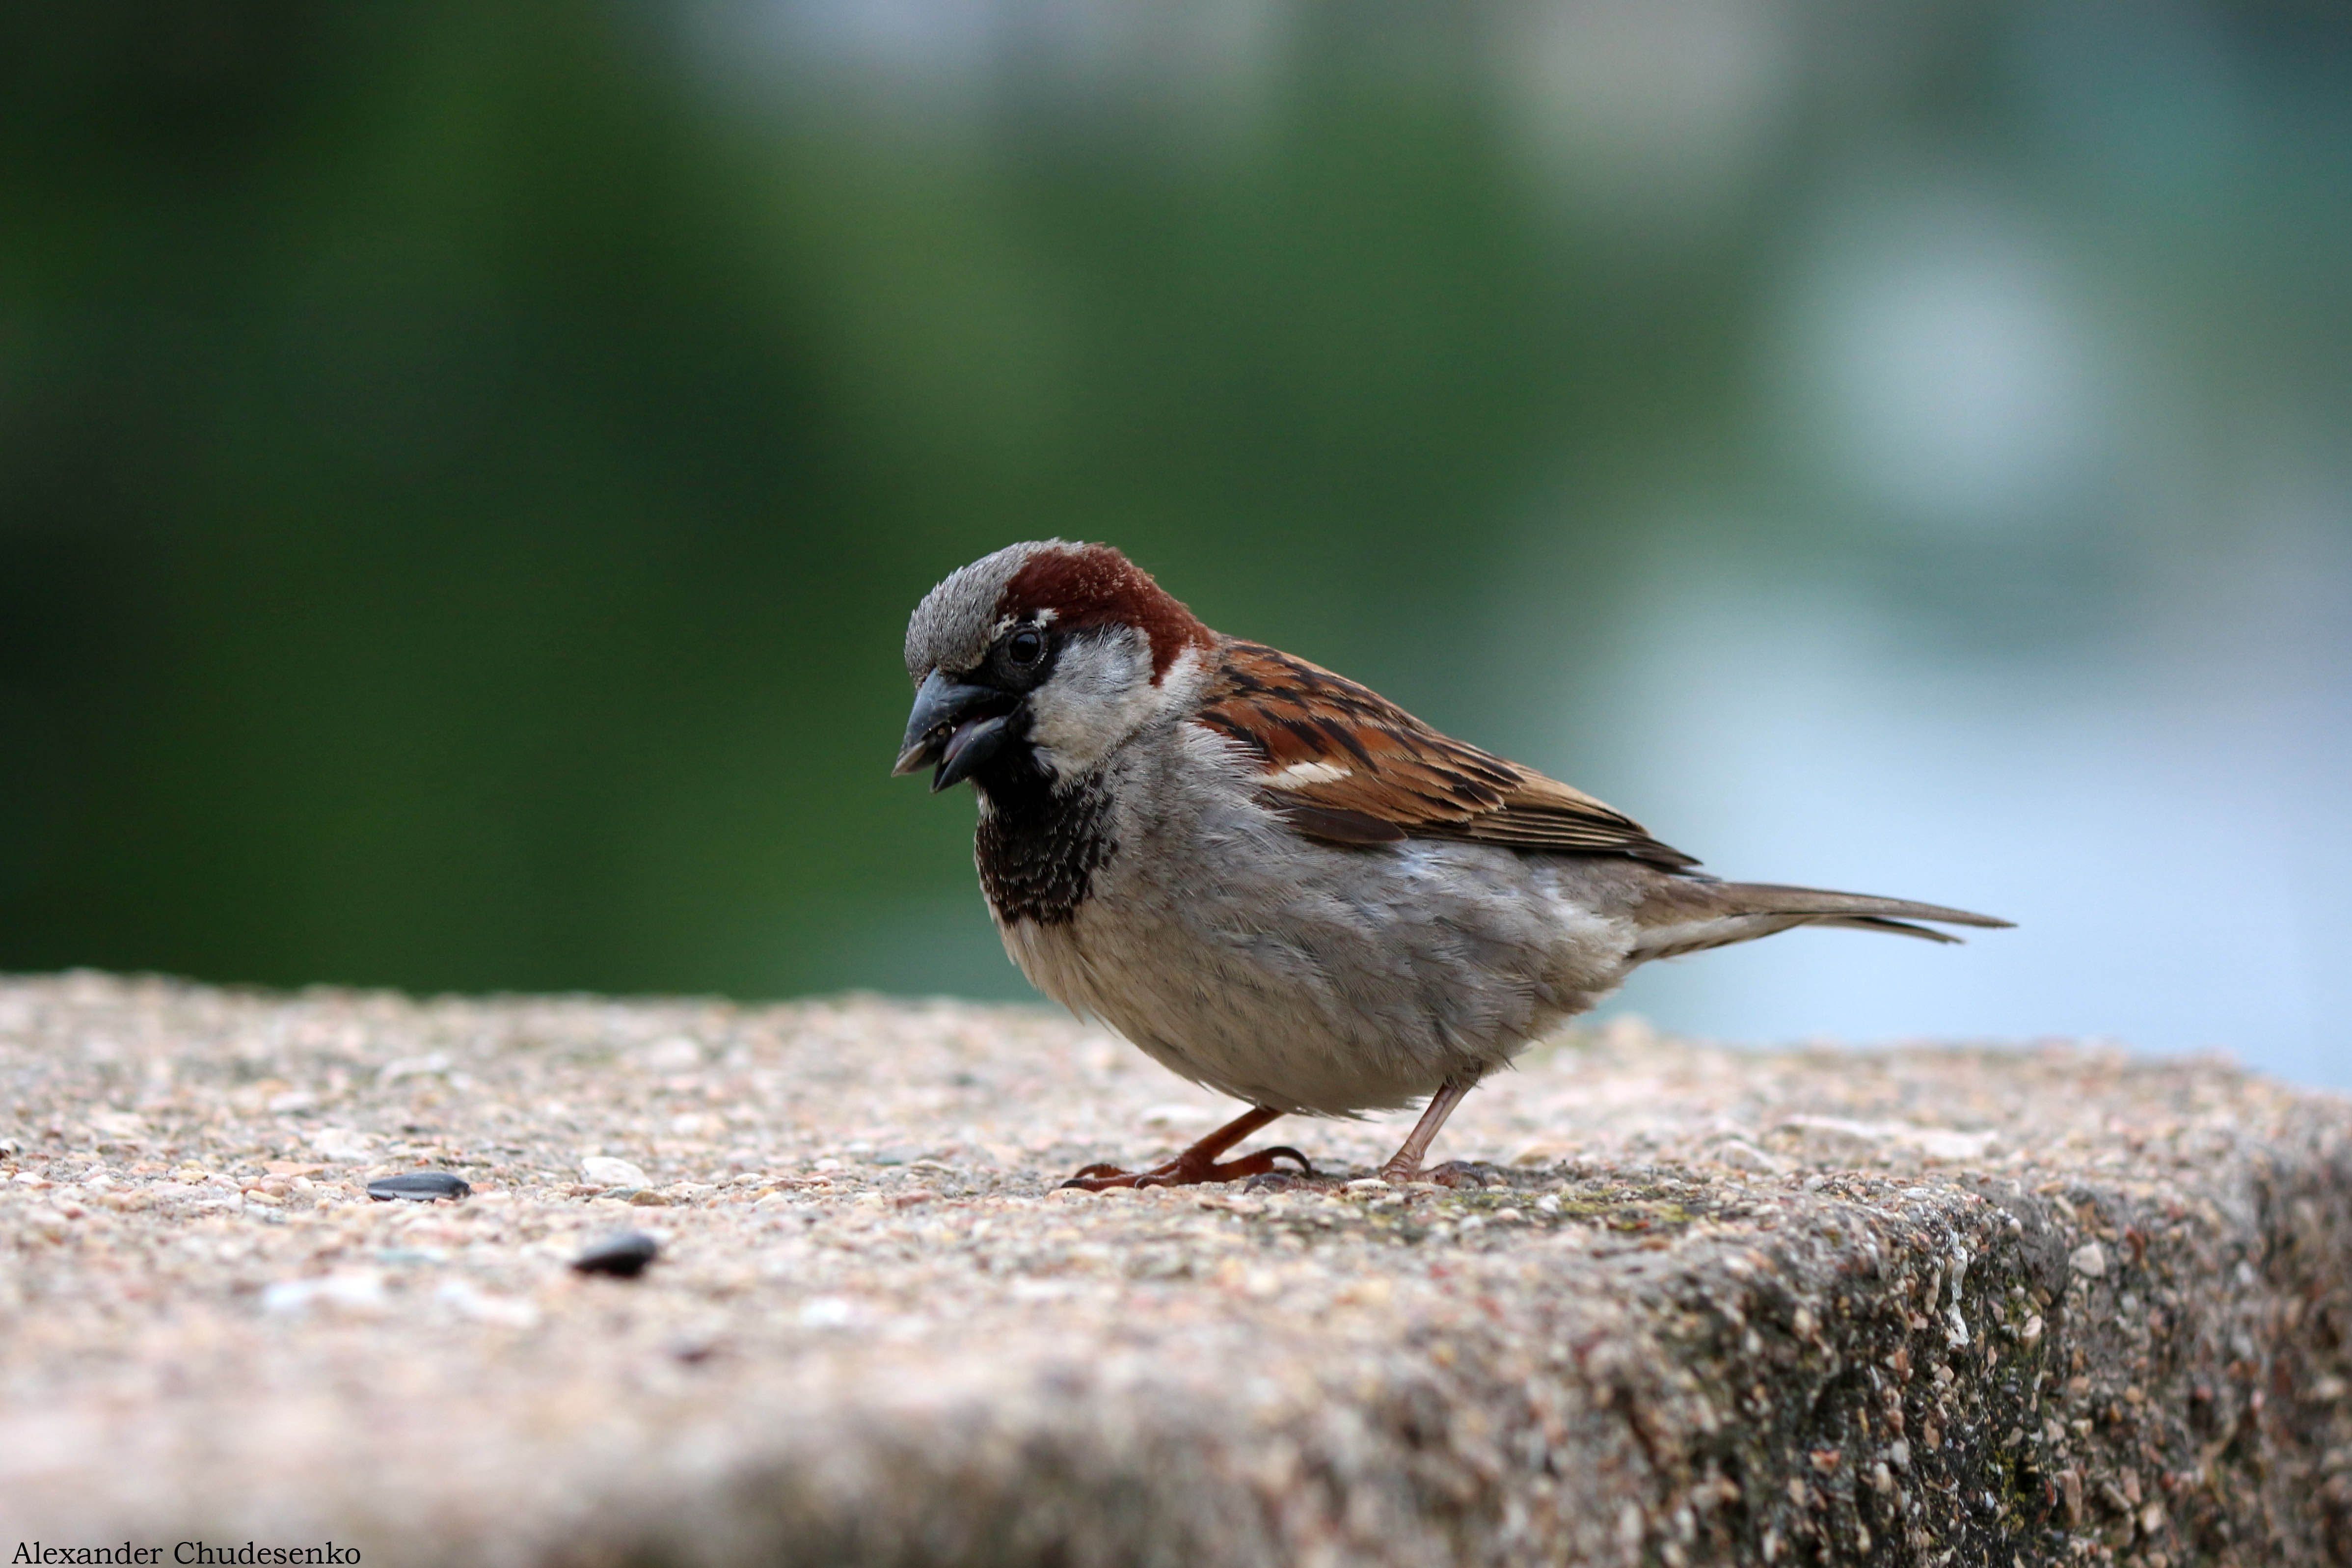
1923 1306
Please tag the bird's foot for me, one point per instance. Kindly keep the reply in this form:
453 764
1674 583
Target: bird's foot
1453 1173
1181 1171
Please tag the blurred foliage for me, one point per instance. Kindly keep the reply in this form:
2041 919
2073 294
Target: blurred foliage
463 493
464 469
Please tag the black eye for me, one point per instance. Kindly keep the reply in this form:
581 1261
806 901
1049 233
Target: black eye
1025 647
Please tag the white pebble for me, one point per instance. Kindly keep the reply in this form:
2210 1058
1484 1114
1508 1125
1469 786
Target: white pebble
608 1171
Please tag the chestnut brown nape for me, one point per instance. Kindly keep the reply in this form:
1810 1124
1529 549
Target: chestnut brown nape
1095 585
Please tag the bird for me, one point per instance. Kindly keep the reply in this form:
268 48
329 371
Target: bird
1274 881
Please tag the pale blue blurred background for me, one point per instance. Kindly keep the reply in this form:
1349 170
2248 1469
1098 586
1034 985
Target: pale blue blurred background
462 473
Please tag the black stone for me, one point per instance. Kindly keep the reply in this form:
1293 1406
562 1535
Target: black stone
419 1186
624 1253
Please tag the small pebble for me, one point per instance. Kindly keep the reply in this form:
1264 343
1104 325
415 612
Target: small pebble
606 1170
624 1255
419 1186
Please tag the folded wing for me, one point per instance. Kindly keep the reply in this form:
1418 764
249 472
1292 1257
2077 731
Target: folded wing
1345 765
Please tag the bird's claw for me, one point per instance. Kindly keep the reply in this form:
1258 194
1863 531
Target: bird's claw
1179 1173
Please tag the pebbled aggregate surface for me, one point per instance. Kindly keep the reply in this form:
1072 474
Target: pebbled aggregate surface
1924 1305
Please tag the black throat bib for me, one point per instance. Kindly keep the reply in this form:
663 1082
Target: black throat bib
1039 847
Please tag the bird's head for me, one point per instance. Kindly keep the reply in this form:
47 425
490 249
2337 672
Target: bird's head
1043 657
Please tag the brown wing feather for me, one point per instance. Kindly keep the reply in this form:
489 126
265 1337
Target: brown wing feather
1348 765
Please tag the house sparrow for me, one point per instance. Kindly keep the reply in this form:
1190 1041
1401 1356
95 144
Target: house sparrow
1274 881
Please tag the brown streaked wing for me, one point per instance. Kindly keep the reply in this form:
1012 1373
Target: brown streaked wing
1345 765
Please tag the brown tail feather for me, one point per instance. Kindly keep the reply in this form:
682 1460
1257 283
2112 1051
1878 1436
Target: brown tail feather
1875 922
1769 899
1690 914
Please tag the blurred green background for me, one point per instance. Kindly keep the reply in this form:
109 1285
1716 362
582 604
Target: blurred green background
464 470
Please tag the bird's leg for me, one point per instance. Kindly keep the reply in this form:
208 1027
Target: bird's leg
1406 1163
1199 1163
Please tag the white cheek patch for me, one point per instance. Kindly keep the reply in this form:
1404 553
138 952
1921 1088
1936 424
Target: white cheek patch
1299 774
1186 675
1100 693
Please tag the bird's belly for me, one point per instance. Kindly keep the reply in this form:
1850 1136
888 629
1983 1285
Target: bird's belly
1227 1025
1334 981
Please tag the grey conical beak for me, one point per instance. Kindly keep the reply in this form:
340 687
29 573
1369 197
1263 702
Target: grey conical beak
952 726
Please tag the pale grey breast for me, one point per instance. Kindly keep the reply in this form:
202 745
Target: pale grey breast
1306 977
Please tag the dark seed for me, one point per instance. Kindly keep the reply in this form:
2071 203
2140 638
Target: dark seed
623 1254
419 1186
